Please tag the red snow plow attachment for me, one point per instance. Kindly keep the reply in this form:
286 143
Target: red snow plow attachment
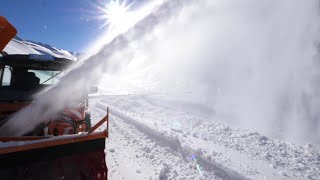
73 157
7 32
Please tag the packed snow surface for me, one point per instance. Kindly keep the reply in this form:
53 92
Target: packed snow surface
163 137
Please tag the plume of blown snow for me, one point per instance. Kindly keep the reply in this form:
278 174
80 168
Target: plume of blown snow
255 63
73 85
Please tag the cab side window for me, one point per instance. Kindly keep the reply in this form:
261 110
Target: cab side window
6 76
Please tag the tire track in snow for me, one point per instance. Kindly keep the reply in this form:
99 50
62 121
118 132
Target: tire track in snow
175 145
148 154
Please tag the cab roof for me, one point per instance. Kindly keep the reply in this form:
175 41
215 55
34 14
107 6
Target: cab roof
35 62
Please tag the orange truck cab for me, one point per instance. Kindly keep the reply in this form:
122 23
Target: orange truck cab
21 76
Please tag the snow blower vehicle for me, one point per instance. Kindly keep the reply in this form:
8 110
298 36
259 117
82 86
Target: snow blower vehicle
64 148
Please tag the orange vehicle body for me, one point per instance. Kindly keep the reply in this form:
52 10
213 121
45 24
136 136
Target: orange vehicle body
78 157
10 108
7 32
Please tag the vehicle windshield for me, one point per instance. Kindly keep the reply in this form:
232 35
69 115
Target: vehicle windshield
47 77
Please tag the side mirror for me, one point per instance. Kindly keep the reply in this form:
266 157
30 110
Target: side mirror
93 89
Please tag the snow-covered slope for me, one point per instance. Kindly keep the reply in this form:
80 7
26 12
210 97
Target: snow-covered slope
19 46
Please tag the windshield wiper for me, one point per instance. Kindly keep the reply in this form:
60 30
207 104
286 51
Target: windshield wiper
51 77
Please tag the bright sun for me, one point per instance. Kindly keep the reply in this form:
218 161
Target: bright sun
115 14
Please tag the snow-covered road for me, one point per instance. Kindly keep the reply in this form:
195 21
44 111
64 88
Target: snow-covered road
161 137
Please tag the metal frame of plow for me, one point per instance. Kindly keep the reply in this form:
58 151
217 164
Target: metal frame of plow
80 156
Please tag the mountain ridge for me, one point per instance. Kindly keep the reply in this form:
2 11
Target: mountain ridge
20 46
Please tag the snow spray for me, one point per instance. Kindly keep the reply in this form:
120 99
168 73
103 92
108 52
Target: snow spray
70 87
254 63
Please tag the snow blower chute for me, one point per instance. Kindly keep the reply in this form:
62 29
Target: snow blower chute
64 148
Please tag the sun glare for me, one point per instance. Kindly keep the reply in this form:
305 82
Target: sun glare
116 17
115 13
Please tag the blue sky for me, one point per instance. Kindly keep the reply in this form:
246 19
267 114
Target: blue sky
66 24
